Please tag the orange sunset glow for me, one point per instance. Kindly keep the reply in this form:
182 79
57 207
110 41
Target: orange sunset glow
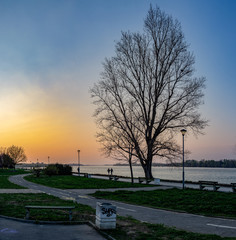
43 128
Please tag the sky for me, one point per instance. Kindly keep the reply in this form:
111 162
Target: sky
51 54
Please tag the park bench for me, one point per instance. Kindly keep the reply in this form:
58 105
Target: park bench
157 181
86 175
113 177
233 187
69 208
142 179
204 184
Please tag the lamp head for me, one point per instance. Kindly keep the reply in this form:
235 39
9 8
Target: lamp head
183 131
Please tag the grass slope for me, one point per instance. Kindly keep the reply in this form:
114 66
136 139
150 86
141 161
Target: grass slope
75 182
6 184
4 175
13 205
9 172
127 228
131 229
190 200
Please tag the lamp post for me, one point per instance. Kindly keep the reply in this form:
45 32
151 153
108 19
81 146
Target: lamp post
78 161
183 131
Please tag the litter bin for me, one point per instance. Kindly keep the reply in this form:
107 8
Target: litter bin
105 216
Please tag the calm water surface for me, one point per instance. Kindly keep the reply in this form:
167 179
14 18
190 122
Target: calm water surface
221 175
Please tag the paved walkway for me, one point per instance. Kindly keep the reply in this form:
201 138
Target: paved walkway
188 222
15 230
20 191
167 183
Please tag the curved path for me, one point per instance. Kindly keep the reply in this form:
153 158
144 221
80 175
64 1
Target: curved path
185 221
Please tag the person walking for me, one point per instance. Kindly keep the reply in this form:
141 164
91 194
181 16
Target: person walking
111 171
108 170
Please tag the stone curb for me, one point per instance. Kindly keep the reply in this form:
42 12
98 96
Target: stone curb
100 231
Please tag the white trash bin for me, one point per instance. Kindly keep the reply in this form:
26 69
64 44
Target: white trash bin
105 216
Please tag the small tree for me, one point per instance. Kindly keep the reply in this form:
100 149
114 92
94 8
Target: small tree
17 154
127 156
117 146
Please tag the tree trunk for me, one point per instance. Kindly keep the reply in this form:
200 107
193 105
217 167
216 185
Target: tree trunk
148 170
131 171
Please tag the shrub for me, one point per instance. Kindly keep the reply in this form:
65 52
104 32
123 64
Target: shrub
67 170
58 169
51 170
37 172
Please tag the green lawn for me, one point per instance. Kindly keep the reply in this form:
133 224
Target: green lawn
6 184
4 175
131 229
75 182
190 200
9 172
12 205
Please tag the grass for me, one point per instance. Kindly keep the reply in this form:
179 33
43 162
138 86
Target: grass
9 172
12 205
75 182
6 184
4 175
190 200
131 229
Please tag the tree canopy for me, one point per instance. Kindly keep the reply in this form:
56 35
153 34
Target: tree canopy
148 92
17 154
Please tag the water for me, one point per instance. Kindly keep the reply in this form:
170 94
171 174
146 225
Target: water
221 175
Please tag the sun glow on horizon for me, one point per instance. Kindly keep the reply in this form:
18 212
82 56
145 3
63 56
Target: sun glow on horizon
47 125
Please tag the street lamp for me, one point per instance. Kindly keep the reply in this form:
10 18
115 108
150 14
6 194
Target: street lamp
78 161
183 131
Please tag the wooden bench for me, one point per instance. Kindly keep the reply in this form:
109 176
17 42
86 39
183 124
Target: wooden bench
233 187
69 208
142 179
86 175
113 177
203 184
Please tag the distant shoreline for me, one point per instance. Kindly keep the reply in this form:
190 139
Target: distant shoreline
226 163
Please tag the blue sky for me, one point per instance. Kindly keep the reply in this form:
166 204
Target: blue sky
51 53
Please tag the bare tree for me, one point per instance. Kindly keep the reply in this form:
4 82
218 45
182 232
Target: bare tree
3 150
116 145
148 92
17 154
